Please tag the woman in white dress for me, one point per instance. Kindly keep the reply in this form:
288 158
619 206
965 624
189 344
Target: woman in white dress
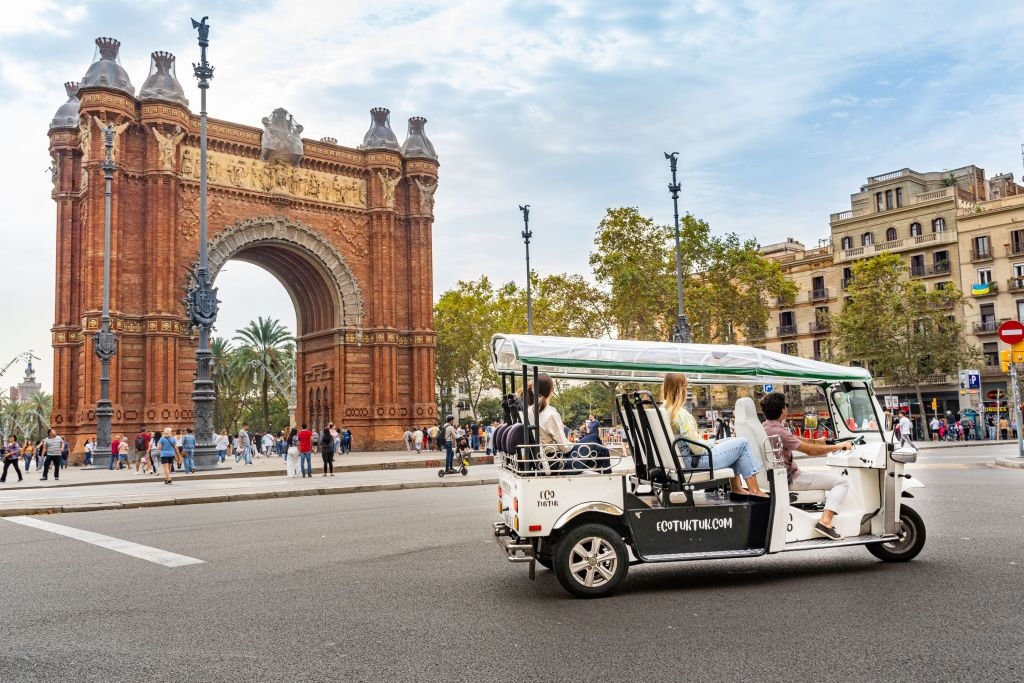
293 452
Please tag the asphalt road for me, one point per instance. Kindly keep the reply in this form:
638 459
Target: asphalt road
408 585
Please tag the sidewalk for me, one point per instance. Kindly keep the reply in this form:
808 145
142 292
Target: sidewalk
198 488
924 445
367 461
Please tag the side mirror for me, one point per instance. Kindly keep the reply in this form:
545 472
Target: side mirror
888 422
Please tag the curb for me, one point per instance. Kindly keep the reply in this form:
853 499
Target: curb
1010 463
245 474
927 445
251 495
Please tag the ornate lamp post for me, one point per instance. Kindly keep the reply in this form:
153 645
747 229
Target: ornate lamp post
201 300
681 331
104 342
526 239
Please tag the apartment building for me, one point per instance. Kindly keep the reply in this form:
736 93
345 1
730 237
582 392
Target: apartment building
801 329
991 244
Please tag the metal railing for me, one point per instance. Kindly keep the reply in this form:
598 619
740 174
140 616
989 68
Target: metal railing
786 330
1015 284
819 294
981 255
889 176
987 326
818 326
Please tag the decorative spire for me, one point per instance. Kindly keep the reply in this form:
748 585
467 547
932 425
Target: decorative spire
380 135
106 70
162 83
416 142
329 140
67 115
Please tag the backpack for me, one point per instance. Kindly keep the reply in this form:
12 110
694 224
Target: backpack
140 442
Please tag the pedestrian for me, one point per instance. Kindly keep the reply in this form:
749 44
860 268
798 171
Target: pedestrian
306 451
154 452
1004 428
28 449
169 452
114 445
188 445
122 453
417 440
245 443
52 446
906 431
474 436
12 454
141 450
90 444
450 436
40 453
407 438
933 426
346 441
267 443
65 451
292 443
327 451
489 433
220 442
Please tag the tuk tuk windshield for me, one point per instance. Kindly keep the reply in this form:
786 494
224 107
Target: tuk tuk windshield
855 407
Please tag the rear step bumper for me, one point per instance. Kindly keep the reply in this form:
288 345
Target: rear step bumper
515 550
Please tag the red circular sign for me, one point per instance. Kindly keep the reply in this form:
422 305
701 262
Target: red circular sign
1011 332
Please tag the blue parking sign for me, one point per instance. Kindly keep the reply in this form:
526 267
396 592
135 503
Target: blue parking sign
768 388
973 380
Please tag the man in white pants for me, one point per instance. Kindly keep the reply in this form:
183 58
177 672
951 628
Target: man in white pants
906 430
773 406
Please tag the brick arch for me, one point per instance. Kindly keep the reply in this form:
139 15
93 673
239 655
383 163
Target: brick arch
316 276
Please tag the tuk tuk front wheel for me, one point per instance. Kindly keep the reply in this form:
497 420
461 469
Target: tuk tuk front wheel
590 561
911 539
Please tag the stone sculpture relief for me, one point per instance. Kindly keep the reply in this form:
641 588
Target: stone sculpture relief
282 139
167 144
426 196
277 177
388 183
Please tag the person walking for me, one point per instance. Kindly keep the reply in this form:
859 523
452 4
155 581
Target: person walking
267 443
292 444
115 443
122 453
12 455
245 442
90 444
346 441
65 451
52 447
906 431
154 453
28 449
221 444
417 440
306 451
141 449
407 438
188 445
1004 428
169 452
327 451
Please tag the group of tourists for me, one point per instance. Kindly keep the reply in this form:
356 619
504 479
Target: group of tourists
50 451
431 438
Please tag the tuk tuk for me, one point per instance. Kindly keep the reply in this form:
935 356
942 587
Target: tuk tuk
588 516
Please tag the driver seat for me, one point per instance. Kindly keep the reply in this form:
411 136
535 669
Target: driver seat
750 428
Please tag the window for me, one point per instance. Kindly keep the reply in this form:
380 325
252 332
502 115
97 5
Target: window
1020 309
982 247
854 408
984 276
786 318
915 229
847 277
888 199
917 265
939 224
867 239
819 349
942 285
1017 241
890 235
991 352
988 313
899 197
1018 270
846 242
790 348
878 201
818 290
820 318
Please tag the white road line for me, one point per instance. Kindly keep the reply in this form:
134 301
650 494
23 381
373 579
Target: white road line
144 552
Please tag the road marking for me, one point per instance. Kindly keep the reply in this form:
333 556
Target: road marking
144 552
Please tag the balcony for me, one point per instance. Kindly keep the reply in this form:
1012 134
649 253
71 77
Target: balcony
1015 284
981 255
819 294
991 367
988 326
818 326
786 330
932 239
993 289
1015 249
891 175
940 268
846 282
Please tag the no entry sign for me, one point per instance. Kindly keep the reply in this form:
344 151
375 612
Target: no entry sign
1011 332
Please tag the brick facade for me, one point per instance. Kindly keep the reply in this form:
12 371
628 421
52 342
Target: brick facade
352 246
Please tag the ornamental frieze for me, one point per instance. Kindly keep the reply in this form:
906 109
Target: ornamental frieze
260 176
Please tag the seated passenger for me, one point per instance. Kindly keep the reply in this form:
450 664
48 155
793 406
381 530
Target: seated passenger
774 408
733 452
557 453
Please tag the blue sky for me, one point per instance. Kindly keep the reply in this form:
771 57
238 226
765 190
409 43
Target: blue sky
779 111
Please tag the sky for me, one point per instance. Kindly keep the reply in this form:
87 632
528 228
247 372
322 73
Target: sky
779 110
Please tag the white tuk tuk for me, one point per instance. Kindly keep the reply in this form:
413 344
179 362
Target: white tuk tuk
642 501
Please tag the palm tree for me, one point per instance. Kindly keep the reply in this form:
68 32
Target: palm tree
263 348
39 406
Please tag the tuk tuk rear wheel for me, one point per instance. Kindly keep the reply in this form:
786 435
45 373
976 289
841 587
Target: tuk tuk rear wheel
590 561
911 541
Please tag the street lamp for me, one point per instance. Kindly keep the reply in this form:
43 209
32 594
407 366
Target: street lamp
681 331
104 342
201 300
525 208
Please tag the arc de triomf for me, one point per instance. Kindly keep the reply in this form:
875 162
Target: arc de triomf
347 231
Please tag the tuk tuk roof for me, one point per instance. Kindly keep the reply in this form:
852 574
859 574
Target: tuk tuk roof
644 361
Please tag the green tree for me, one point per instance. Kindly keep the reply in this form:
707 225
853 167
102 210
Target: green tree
264 348
465 317
575 403
488 410
898 328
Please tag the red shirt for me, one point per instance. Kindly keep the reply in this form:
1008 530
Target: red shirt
114 445
304 441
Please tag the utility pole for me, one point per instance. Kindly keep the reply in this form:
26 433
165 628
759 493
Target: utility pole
681 331
525 208
104 342
201 299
